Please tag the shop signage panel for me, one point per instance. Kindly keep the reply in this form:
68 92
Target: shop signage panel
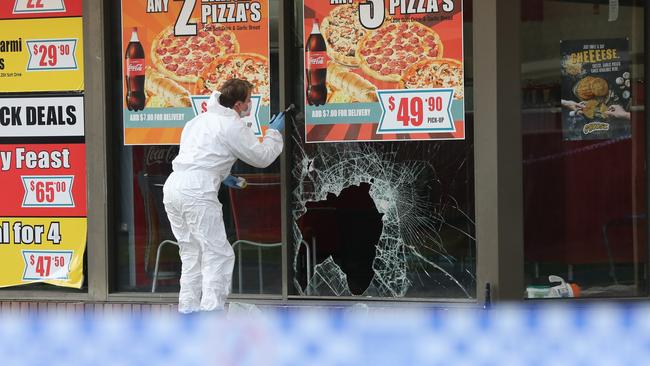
41 116
14 9
383 70
43 180
39 55
41 249
596 95
176 53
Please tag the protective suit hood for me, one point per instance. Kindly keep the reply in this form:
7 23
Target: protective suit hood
215 107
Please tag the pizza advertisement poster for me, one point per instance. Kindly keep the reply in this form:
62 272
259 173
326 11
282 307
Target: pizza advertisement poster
596 89
176 53
383 70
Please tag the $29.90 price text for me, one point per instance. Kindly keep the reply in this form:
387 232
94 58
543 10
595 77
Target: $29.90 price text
55 54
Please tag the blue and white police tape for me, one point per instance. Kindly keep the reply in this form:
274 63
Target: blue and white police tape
509 335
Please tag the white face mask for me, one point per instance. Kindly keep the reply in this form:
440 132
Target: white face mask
247 111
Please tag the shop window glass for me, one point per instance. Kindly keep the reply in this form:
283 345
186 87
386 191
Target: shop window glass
584 147
252 216
381 219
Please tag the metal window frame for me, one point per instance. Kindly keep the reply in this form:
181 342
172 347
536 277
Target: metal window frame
497 150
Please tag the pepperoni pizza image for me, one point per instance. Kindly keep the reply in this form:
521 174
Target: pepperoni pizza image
385 53
184 58
252 67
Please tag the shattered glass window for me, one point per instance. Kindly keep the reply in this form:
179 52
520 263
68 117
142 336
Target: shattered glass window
380 219
390 219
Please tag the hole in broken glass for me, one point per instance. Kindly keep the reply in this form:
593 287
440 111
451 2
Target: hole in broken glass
417 219
346 228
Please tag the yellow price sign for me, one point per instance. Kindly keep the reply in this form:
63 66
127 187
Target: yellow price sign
35 249
41 55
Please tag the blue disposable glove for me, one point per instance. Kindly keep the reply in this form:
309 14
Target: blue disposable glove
277 122
235 182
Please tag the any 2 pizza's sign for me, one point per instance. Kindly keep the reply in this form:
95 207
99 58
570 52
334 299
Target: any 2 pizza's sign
215 11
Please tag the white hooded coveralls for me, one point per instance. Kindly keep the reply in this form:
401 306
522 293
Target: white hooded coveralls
210 144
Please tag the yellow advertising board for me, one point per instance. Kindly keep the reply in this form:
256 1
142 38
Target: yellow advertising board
41 55
37 249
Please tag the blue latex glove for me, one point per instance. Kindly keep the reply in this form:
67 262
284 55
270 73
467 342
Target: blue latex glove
277 122
235 182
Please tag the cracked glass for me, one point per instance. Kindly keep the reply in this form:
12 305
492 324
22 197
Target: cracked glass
381 219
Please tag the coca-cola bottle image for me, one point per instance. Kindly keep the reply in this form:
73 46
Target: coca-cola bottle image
134 60
316 67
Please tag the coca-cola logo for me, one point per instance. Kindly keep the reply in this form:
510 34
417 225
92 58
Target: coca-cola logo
137 67
318 60
160 155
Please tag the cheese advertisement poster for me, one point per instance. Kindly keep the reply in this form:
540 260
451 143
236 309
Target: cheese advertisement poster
176 53
383 70
596 89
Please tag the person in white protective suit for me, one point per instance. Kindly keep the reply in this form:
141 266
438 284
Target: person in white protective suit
210 145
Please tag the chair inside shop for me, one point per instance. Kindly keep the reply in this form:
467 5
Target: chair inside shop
257 218
160 240
624 239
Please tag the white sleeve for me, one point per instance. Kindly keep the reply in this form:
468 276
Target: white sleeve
246 147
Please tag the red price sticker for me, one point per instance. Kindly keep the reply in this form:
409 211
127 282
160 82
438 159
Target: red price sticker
48 191
46 264
416 111
55 54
